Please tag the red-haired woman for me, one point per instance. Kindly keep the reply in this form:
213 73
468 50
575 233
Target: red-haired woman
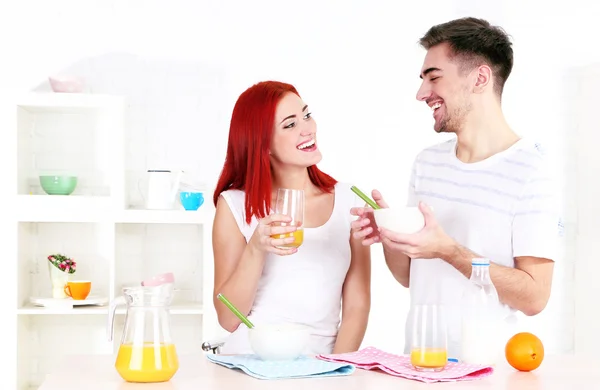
272 144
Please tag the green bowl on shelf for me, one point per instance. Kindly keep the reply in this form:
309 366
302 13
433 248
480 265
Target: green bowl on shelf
58 185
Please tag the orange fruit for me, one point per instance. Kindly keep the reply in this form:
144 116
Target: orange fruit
524 351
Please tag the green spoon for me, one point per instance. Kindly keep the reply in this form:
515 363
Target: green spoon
235 311
364 197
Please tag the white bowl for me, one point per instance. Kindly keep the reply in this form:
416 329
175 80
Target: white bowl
279 342
406 220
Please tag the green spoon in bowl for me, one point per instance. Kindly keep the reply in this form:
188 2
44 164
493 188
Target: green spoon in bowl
364 197
235 311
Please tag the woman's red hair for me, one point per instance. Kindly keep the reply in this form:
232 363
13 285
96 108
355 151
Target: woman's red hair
247 165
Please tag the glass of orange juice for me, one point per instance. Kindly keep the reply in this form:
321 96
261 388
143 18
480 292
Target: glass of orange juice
429 349
290 202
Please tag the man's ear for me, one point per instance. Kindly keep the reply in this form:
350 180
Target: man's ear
483 78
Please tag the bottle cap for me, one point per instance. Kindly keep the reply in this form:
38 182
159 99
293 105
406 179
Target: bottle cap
480 261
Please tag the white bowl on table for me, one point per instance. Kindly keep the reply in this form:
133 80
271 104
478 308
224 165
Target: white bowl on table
279 341
405 220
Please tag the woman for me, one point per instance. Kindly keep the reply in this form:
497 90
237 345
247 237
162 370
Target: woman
272 144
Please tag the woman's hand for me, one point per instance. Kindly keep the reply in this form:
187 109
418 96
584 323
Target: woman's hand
262 240
364 227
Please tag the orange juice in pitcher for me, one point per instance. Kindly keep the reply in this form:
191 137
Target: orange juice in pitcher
146 353
147 362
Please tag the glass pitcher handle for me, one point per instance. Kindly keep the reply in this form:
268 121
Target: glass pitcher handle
110 329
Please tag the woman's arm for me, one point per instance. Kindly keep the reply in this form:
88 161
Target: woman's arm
356 299
237 267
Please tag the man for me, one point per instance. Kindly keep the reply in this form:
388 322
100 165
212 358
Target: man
486 193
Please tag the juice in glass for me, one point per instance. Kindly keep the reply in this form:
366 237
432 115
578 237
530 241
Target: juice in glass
147 363
298 238
290 202
429 358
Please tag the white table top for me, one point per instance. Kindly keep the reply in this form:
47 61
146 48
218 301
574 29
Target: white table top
196 372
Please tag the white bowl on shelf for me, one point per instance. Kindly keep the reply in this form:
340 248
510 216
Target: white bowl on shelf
68 84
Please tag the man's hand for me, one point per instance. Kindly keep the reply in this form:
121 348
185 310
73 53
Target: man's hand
428 243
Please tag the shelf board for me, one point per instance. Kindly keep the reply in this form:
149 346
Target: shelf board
189 308
161 216
56 208
38 310
45 101
177 309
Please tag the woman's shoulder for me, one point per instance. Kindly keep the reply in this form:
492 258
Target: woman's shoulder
233 197
235 200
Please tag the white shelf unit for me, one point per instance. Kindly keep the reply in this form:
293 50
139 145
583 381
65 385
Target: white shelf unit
114 246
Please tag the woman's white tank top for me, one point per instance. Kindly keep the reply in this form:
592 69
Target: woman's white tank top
306 287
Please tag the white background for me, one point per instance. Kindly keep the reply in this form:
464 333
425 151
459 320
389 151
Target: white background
182 64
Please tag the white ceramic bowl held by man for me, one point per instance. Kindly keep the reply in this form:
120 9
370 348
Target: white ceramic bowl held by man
404 220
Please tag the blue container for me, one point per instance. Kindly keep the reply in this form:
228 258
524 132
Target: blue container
191 200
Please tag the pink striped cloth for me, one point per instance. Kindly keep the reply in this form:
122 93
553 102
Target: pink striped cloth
399 365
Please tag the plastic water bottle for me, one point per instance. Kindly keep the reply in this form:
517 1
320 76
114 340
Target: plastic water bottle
481 317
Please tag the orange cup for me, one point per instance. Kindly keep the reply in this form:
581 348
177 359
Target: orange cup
78 289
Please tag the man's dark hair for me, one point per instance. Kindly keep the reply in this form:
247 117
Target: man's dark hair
472 42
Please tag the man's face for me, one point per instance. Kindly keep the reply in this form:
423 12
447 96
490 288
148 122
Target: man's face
445 89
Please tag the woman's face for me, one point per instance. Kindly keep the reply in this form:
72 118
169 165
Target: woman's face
294 134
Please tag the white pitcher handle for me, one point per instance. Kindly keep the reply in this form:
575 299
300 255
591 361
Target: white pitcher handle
110 329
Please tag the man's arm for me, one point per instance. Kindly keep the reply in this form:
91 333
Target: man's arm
525 287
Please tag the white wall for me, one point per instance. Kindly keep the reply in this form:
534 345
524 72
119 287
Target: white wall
182 64
585 138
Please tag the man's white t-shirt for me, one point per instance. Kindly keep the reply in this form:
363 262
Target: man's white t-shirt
500 208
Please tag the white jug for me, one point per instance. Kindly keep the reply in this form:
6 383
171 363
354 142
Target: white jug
161 191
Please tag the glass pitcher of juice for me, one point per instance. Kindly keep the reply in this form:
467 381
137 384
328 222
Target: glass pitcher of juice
146 353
